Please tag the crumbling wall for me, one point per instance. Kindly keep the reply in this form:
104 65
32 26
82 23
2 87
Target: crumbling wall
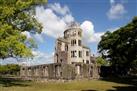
61 71
68 71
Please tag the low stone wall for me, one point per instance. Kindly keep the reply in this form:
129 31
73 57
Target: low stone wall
60 71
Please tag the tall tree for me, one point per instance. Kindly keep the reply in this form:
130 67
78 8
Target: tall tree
11 69
120 47
17 16
102 62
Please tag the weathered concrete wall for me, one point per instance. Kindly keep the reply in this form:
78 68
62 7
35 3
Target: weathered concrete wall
68 71
60 71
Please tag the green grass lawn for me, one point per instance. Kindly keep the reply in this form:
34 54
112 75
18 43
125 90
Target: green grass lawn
82 85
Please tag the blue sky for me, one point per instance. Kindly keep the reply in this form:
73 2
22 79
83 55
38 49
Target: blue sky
95 18
96 12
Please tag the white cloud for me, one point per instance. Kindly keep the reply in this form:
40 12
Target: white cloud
116 11
38 37
89 34
88 27
54 23
8 61
68 18
58 9
55 19
96 37
112 1
39 58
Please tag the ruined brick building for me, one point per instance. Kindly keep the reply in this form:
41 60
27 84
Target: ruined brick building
72 59
69 48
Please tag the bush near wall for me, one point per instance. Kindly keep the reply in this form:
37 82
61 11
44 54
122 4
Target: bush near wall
9 69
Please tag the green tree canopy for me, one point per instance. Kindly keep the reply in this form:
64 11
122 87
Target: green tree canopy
102 62
120 46
11 69
17 16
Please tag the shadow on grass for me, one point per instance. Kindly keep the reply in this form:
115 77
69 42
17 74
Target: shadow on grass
127 88
8 82
130 81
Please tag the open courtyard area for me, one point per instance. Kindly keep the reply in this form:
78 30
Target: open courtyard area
108 84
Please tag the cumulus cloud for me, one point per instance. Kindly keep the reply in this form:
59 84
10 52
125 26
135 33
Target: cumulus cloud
39 58
54 19
68 18
37 37
112 1
116 11
59 9
89 34
8 61
88 26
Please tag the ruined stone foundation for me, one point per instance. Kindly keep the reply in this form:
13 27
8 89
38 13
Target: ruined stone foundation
60 71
